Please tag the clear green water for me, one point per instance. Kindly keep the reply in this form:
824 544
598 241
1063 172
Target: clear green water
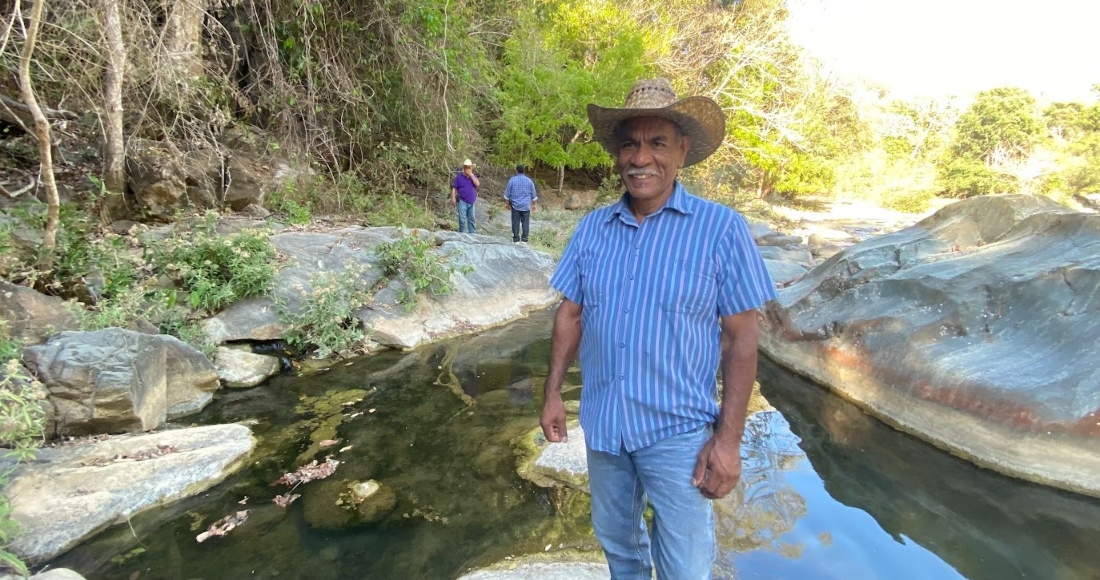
827 492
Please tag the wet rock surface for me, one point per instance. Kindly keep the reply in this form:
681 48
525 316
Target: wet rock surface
69 493
972 330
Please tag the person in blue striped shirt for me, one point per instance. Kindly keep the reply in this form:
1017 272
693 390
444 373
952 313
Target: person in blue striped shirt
660 291
521 196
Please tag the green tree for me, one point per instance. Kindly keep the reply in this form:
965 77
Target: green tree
1000 127
574 53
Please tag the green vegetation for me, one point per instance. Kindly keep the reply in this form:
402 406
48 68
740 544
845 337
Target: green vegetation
216 270
325 319
22 424
414 261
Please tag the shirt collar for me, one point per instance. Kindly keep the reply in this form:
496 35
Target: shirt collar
677 201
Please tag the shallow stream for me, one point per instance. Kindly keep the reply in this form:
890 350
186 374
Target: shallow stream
827 492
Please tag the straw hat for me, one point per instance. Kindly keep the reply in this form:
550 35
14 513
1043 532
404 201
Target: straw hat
467 162
698 117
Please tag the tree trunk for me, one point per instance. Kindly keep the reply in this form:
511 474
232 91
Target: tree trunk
42 132
561 178
114 151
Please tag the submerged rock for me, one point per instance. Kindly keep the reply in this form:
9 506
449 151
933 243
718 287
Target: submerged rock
69 493
565 565
335 504
974 330
54 574
549 464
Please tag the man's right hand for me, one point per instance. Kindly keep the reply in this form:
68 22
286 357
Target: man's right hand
553 420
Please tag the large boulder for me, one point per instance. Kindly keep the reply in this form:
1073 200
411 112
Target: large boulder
165 179
70 493
116 380
507 281
32 316
974 329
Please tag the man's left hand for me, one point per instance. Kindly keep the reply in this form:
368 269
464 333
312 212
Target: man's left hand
717 469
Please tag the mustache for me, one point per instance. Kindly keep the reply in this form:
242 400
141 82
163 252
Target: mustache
641 173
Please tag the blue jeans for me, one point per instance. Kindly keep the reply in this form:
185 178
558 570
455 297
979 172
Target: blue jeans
466 221
683 523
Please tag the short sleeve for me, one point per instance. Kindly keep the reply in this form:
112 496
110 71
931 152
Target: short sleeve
567 276
743 279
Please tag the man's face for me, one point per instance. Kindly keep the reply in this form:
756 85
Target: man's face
651 152
467 169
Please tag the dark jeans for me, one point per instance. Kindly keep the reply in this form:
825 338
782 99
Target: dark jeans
520 218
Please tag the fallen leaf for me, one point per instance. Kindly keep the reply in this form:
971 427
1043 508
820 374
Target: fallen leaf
223 526
347 448
244 501
310 472
328 443
285 499
371 410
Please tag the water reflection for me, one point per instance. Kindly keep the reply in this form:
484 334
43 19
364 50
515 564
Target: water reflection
982 524
827 492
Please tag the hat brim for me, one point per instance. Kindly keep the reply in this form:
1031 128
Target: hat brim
698 117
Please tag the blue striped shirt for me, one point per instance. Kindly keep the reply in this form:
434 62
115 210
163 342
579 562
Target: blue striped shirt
520 192
651 298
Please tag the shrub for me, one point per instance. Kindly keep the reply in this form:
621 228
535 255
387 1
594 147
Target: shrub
325 318
414 261
10 347
22 423
399 210
216 271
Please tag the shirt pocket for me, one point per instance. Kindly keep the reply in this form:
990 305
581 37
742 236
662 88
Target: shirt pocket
594 278
691 288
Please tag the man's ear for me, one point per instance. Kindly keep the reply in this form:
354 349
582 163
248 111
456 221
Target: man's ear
685 146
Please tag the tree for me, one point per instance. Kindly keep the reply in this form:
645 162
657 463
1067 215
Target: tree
114 151
41 131
993 138
577 53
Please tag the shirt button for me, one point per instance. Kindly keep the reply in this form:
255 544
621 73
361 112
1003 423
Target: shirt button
632 276
622 344
620 377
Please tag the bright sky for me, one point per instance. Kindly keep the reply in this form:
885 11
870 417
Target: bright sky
939 47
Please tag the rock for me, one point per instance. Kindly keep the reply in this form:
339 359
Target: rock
973 329
53 574
553 464
783 272
251 319
69 493
800 256
123 227
165 180
254 211
241 368
32 316
528 568
826 252
372 500
760 230
249 182
574 202
116 380
335 504
779 240
507 281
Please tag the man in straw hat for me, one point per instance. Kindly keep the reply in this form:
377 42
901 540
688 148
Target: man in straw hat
660 290
463 195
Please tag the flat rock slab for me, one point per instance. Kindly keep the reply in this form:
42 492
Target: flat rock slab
544 571
975 330
67 494
549 464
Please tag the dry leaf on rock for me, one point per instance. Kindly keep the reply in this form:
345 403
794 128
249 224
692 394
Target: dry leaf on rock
328 443
223 526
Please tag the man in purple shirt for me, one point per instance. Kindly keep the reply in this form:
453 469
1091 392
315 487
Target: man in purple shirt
463 195
660 291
